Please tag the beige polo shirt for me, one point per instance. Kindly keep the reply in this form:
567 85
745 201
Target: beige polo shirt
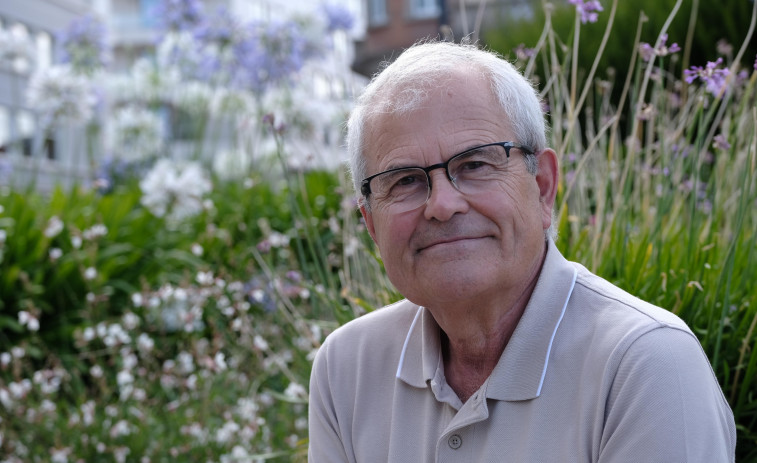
591 374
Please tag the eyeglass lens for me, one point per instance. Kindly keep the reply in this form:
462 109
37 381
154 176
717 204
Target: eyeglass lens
406 189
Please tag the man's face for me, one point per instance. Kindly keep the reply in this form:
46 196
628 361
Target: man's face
459 247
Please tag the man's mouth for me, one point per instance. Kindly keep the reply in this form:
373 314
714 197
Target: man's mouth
444 241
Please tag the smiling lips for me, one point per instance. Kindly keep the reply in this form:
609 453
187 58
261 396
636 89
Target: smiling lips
447 240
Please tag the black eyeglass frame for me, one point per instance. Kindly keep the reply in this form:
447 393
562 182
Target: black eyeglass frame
365 185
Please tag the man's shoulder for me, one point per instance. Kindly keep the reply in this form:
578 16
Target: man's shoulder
597 294
387 325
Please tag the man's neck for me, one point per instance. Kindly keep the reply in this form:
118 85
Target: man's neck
473 344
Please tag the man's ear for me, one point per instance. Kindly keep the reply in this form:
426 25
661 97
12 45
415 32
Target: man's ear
547 178
368 220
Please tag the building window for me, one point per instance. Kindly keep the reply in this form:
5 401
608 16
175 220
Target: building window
148 12
44 50
423 9
377 15
25 131
5 129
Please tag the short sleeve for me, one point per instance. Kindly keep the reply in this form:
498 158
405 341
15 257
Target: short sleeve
666 405
325 443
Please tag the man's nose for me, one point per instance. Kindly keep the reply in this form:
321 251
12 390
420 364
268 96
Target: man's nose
445 200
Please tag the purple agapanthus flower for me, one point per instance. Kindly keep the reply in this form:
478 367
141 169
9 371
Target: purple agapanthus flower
715 79
587 9
647 51
523 53
222 28
721 142
178 15
219 38
84 44
272 53
5 168
338 17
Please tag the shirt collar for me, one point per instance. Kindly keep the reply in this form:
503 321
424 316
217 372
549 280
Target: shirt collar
521 369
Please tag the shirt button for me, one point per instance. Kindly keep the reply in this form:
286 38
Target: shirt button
455 441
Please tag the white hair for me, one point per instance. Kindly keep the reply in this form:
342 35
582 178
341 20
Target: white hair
405 84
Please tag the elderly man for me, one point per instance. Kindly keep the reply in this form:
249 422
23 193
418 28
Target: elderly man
503 350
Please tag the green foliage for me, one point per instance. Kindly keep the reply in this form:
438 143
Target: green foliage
718 27
195 335
664 207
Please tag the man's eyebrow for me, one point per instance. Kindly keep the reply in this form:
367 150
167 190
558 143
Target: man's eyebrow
403 165
400 165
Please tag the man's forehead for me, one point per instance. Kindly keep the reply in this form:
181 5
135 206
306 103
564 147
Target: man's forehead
397 144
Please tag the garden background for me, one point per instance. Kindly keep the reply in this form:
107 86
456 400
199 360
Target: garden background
168 307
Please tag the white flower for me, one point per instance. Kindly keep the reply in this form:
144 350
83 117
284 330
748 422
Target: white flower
137 300
144 84
76 241
15 44
27 319
301 423
259 342
175 191
96 371
90 273
19 390
238 455
145 343
54 227
120 454
197 249
233 164
192 96
295 391
135 134
220 361
115 335
60 455
5 359
88 334
204 278
46 406
122 428
247 409
55 254
226 432
96 231
179 51
129 360
88 412
186 362
124 378
3 236
5 399
139 394
278 240
60 94
130 320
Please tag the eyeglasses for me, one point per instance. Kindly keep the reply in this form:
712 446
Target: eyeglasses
470 172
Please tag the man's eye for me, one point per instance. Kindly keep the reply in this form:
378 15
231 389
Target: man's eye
406 181
473 165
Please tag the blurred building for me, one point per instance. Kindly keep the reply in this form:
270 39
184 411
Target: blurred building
393 25
27 43
28 35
